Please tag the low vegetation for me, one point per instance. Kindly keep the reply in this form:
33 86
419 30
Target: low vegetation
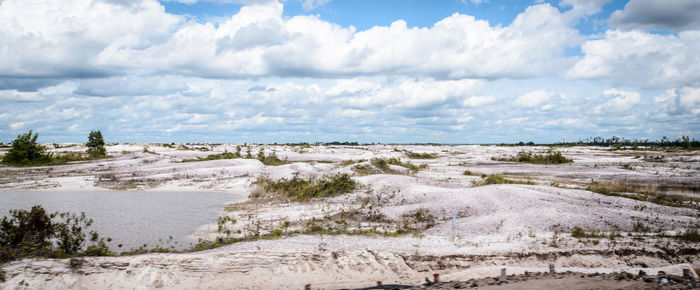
498 179
34 233
551 157
424 155
643 192
304 189
25 151
271 159
381 165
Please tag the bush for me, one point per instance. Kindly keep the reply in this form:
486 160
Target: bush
499 179
302 189
552 157
96 145
34 233
26 151
425 155
383 164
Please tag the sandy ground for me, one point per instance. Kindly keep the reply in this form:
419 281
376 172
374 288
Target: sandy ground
522 227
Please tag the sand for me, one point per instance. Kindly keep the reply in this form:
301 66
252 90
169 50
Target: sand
523 227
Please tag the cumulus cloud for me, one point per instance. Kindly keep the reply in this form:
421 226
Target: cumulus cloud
674 15
535 98
641 59
619 101
87 38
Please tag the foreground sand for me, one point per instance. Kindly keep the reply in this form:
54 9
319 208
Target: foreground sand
522 227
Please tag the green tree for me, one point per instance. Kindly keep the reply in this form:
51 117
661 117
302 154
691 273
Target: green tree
26 151
96 144
686 141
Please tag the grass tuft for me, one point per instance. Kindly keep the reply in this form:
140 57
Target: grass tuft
499 179
304 189
552 157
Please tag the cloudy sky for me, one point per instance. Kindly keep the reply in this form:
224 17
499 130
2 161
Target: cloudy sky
452 71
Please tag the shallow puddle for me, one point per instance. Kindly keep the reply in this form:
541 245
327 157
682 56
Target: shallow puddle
130 218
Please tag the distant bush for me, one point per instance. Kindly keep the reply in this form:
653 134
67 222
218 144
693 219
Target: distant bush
552 157
26 151
425 155
34 233
225 155
383 164
498 179
303 189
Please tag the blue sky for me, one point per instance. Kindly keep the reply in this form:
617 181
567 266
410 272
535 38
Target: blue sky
447 71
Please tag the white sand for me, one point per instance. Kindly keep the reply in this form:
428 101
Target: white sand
509 225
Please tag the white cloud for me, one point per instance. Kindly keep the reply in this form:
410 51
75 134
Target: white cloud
89 38
477 101
641 59
619 102
535 98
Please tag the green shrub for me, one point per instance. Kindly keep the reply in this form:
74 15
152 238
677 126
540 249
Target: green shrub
499 179
26 151
96 144
425 155
303 189
552 157
34 233
383 165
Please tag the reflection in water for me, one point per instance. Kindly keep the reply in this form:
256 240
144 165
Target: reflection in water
130 218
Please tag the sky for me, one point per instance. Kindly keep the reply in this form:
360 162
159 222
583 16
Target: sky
386 71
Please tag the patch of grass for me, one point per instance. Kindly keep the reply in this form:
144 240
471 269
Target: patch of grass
61 158
499 179
642 192
225 155
551 157
691 235
366 169
424 155
383 164
579 233
304 189
350 162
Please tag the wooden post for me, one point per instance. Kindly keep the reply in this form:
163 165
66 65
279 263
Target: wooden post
307 287
436 278
379 283
551 268
503 273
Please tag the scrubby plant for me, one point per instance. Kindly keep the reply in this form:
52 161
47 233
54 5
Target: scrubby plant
96 144
691 235
383 164
32 233
303 189
26 151
551 157
424 155
498 179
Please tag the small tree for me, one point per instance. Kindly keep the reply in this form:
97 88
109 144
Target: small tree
26 151
96 144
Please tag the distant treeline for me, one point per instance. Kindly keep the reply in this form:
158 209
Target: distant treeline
619 142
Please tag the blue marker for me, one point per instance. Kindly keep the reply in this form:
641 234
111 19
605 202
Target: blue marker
454 222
